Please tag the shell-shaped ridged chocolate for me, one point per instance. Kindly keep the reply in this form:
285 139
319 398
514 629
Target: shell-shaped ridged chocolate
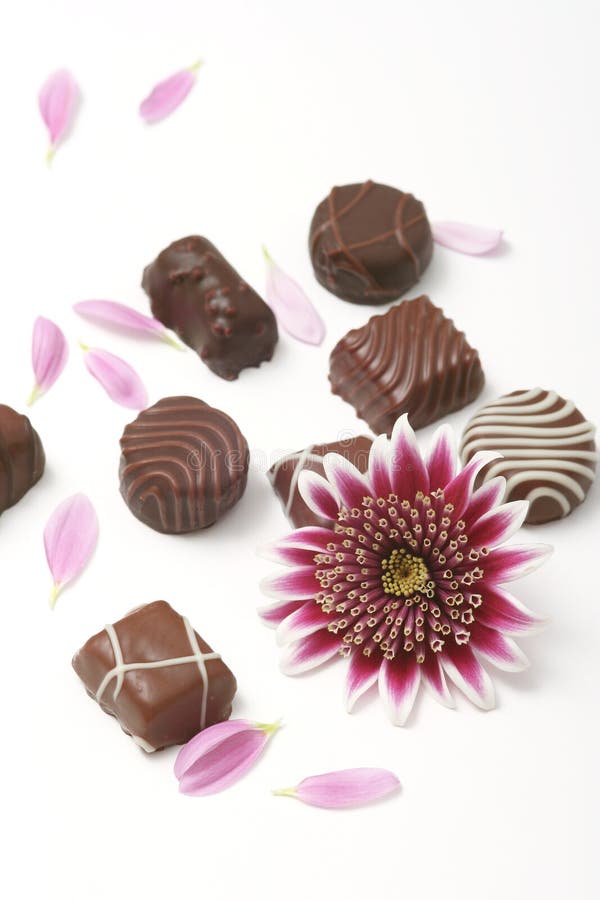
183 464
548 450
369 243
22 457
410 360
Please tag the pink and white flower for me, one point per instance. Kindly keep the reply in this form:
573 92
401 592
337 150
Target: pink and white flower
408 582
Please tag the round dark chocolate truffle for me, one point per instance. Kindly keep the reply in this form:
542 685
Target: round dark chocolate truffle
183 464
369 243
22 457
548 450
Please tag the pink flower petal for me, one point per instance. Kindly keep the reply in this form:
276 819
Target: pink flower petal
501 651
499 524
508 563
294 585
318 494
57 101
470 239
379 467
309 652
302 622
409 474
313 537
294 311
49 354
117 315
275 613
433 678
167 95
351 486
220 755
399 681
119 380
503 612
460 490
70 537
362 674
343 789
467 673
442 458
288 556
484 499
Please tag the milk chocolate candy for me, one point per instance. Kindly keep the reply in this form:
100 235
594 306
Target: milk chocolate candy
369 243
183 464
548 450
197 293
22 457
157 676
285 473
410 360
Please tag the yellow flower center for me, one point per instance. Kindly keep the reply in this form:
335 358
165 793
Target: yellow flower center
403 574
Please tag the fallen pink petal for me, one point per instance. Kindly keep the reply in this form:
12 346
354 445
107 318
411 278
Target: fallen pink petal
120 381
122 317
343 789
294 311
70 538
58 98
167 95
49 354
470 239
220 755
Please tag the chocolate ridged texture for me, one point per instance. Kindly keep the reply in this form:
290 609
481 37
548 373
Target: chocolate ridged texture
410 360
285 473
183 464
369 243
22 456
197 293
157 676
548 450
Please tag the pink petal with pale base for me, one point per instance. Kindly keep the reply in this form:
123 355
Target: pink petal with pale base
49 354
363 672
343 789
508 563
277 612
503 612
484 499
467 673
434 680
120 381
309 652
499 524
441 461
312 537
318 494
379 467
399 681
300 623
350 485
207 740
57 101
293 310
498 649
297 584
409 473
460 490
167 95
70 538
117 315
470 239
288 556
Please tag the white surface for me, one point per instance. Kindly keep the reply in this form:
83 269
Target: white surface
488 112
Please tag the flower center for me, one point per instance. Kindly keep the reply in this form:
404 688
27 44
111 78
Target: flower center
403 575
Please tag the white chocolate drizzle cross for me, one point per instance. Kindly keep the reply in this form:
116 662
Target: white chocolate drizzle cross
120 668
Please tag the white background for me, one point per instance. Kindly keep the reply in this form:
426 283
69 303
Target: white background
488 112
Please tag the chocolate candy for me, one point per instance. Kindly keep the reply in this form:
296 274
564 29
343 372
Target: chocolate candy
22 457
548 449
369 243
285 473
183 464
410 360
157 676
197 293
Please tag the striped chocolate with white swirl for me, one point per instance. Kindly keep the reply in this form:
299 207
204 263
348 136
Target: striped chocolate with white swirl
548 450
22 457
183 464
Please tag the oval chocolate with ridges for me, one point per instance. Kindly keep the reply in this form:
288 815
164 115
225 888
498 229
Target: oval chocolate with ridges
22 457
548 450
183 464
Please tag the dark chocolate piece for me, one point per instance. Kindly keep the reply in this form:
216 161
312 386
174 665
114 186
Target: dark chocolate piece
183 464
410 360
369 243
22 456
157 676
197 293
285 473
548 450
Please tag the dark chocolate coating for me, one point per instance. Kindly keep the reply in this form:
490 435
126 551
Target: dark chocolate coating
22 456
410 360
197 293
284 475
548 451
369 243
163 705
183 464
